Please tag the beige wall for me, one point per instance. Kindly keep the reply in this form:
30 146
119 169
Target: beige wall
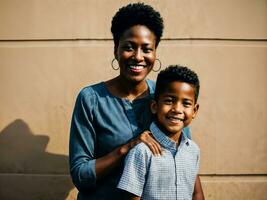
50 49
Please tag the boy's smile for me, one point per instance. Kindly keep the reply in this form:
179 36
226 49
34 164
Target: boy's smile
175 108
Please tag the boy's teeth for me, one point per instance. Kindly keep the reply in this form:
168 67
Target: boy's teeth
175 118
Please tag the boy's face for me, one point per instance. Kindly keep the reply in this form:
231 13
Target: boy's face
176 107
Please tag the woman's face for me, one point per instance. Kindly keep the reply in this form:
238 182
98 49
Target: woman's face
136 53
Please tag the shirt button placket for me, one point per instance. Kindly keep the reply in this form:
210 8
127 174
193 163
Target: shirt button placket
178 163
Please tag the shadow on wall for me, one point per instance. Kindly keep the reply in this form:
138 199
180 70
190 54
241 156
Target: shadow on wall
27 168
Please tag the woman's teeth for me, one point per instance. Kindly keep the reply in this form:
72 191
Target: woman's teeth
136 67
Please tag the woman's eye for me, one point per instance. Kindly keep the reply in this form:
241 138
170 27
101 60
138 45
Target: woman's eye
147 50
128 48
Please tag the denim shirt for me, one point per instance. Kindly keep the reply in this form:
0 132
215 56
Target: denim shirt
100 123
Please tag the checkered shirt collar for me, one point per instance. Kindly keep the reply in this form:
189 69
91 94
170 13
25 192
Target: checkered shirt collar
164 140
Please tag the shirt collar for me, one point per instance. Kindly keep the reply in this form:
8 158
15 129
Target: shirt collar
164 140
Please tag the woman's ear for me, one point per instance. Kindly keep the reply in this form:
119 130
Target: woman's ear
196 107
115 52
153 107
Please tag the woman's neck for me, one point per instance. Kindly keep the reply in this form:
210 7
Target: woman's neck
125 89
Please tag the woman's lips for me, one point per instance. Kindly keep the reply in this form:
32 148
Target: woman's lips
136 68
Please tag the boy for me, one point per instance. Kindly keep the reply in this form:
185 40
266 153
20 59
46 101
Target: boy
171 175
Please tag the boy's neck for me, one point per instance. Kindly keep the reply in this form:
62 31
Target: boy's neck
176 137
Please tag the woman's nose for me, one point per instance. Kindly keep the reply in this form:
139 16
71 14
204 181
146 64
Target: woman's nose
138 55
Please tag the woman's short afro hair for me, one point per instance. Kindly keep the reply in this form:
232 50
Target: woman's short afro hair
136 14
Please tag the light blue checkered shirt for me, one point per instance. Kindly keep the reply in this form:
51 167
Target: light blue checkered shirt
170 176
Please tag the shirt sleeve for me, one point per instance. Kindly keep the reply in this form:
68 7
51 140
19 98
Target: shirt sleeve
82 142
198 160
134 174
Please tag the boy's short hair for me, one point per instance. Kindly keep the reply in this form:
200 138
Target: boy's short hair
176 73
136 14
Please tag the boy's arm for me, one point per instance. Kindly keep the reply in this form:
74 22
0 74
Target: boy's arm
133 177
198 192
130 196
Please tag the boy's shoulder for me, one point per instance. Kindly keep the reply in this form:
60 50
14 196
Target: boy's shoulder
141 149
193 146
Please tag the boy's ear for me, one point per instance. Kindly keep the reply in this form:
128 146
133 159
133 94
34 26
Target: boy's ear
196 107
153 106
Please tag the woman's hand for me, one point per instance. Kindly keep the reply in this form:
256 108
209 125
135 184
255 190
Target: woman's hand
107 163
147 138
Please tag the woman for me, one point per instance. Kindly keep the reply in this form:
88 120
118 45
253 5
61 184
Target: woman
109 116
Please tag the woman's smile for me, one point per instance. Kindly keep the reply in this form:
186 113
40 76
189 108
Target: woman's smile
136 68
136 53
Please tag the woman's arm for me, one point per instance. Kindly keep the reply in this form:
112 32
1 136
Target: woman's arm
85 169
198 192
107 163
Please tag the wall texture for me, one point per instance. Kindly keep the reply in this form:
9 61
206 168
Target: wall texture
50 49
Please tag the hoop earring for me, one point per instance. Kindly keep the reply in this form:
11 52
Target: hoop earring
112 64
159 66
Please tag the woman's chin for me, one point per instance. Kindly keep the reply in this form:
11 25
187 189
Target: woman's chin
136 79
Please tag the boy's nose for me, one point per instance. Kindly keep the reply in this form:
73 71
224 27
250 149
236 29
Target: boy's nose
177 108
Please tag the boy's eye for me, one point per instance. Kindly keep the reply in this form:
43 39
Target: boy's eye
187 104
168 101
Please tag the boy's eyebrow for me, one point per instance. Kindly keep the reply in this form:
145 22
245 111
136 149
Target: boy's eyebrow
188 99
168 95
173 96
